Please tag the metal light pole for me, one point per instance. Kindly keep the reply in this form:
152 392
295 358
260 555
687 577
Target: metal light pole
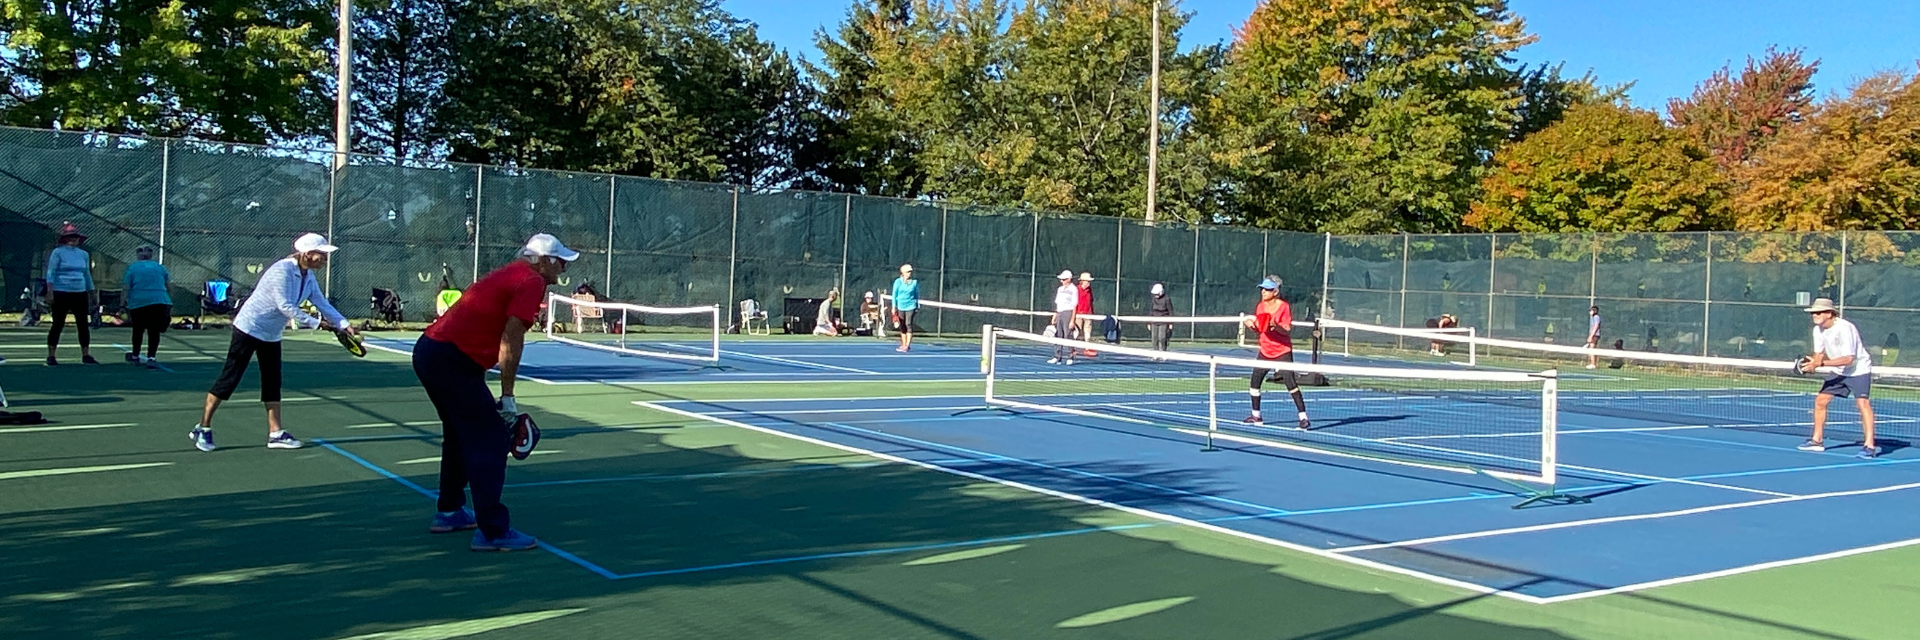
342 115
1153 121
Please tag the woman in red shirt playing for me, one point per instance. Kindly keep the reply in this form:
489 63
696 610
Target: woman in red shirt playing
1273 321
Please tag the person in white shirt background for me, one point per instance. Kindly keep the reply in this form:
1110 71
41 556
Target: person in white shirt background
1836 343
257 329
1593 336
69 291
1066 300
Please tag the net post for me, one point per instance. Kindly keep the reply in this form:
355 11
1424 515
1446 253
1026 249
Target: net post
553 308
988 364
1213 401
1549 448
716 333
1473 347
986 355
1550 427
623 326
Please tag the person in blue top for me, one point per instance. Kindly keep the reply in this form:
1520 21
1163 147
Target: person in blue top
149 306
906 301
70 291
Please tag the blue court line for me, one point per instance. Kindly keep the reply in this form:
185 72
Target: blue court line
435 495
383 472
1271 513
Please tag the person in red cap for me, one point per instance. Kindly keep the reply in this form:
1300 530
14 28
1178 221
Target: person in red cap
69 291
486 328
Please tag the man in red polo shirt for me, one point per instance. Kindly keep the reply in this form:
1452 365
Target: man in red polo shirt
486 328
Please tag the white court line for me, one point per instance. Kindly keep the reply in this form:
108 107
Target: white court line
1325 452
377 425
1145 513
800 363
1629 518
1697 483
1564 432
41 473
522 376
930 397
1731 572
66 427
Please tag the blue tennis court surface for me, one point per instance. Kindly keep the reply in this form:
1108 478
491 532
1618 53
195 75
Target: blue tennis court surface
1669 503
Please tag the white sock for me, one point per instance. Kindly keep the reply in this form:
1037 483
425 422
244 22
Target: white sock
1303 415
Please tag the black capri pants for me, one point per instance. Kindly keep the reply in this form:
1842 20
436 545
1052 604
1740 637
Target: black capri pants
240 351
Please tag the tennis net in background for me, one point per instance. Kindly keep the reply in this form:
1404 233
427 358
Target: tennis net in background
1349 339
1186 331
1498 423
1654 391
677 333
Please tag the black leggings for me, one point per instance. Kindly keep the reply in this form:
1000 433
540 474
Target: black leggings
242 349
74 302
475 438
148 322
1285 376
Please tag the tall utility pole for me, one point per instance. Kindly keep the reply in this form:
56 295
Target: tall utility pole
1153 121
342 114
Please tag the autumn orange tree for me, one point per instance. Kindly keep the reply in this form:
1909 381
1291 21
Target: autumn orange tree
1603 167
1854 164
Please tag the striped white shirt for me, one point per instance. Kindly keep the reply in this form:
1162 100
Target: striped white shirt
283 287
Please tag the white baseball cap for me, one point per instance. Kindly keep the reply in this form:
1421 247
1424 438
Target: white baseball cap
1157 289
1066 275
313 242
543 244
906 268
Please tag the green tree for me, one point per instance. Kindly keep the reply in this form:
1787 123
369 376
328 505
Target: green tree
862 148
1040 104
660 88
400 63
1364 115
1603 167
1853 164
229 70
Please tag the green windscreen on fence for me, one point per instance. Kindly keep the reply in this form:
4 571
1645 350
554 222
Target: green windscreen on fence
225 212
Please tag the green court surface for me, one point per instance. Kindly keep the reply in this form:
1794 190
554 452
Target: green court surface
115 527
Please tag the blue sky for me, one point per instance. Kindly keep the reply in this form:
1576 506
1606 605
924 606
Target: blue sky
1664 47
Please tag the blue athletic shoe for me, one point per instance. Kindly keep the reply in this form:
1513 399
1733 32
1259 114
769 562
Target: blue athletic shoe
512 541
202 438
452 521
1868 453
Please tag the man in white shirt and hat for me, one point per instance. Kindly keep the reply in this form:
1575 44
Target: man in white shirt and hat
1066 299
1836 343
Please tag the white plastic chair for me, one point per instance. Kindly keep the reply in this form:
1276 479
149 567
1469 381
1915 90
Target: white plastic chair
750 311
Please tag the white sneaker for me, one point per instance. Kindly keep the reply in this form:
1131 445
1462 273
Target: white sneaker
1053 361
282 440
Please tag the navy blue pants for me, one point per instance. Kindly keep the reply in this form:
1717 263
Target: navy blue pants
473 447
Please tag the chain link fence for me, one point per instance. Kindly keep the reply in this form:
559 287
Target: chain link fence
226 211
1718 293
